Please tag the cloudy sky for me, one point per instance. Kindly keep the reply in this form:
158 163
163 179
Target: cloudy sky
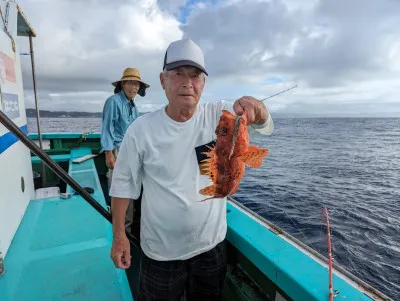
343 55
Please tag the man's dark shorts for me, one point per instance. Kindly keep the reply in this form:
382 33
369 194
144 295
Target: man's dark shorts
202 277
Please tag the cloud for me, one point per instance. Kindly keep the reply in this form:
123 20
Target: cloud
331 49
346 43
341 55
82 47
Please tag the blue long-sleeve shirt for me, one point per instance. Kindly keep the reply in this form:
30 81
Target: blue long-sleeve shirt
118 115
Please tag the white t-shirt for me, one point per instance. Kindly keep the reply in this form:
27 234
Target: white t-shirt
160 153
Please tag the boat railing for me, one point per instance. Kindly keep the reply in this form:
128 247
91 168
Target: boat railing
307 249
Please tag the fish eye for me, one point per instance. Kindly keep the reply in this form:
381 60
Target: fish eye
221 131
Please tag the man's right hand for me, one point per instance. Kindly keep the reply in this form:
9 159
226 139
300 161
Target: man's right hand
120 251
110 159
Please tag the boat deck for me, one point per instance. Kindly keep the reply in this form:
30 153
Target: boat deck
62 246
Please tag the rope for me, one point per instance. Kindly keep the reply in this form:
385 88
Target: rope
4 21
5 27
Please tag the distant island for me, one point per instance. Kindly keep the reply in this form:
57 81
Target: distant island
61 114
31 113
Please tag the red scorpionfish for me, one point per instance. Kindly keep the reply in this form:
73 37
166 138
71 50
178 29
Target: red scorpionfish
226 161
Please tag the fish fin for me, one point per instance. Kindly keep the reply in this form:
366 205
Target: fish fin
210 198
208 167
212 192
254 156
209 190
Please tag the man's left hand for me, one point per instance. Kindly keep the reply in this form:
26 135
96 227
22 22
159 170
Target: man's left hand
257 112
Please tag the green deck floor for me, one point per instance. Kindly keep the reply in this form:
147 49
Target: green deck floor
61 249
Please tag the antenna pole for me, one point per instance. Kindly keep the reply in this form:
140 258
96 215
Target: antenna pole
37 108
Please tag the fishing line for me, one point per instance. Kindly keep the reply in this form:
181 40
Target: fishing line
240 117
278 93
309 242
305 237
311 245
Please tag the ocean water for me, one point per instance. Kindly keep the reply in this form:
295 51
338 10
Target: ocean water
349 165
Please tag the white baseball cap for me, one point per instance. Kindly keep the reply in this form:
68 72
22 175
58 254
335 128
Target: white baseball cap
184 53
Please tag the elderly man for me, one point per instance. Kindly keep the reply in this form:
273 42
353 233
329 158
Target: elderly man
182 239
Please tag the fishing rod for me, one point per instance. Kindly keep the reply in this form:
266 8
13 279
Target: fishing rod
325 211
12 127
278 93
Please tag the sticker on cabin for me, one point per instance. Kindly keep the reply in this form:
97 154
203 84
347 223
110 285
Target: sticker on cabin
10 105
2 71
7 69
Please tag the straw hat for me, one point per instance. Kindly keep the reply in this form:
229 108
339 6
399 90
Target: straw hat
131 74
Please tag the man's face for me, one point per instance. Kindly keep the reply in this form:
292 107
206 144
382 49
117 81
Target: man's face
183 86
130 87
